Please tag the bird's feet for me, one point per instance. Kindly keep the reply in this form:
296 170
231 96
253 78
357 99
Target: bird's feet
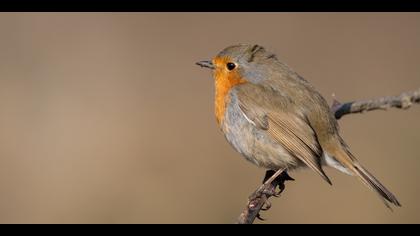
270 189
278 181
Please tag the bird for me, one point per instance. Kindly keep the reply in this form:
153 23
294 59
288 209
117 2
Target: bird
276 119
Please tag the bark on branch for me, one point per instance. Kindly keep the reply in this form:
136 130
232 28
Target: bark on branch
260 197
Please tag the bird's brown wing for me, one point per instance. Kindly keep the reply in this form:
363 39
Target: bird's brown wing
267 110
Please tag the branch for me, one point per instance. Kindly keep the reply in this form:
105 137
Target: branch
260 197
402 101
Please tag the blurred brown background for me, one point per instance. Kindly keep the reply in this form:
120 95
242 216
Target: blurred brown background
104 118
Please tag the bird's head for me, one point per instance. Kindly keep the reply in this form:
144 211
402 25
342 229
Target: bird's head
243 61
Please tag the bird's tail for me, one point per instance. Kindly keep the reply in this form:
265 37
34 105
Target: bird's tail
344 157
374 184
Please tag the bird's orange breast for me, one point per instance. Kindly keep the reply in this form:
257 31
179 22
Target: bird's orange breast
224 82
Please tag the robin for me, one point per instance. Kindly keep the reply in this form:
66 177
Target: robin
277 120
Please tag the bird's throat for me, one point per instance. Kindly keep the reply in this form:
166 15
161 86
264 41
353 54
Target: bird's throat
223 84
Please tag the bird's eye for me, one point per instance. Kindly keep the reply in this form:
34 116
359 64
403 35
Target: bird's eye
230 66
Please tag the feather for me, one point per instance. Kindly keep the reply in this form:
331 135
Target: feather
287 127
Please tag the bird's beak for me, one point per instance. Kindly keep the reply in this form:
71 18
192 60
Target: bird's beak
207 64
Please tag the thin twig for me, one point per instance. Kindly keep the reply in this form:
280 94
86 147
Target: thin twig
402 101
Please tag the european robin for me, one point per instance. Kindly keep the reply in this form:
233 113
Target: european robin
276 119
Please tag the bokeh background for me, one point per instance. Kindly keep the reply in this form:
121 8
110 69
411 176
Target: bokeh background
104 118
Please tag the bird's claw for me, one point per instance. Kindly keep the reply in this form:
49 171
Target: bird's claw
270 191
279 181
267 205
277 194
260 218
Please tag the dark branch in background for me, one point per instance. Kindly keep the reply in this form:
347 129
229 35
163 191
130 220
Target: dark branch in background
260 197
